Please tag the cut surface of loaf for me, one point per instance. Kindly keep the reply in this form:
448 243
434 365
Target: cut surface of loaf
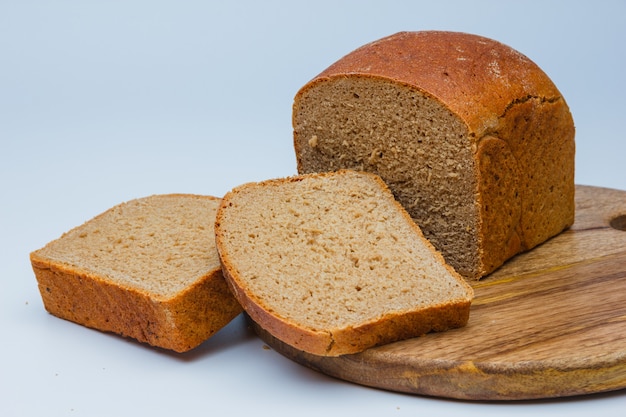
332 264
146 269
471 136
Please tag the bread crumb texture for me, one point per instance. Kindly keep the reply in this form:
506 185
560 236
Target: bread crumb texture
326 253
413 142
147 268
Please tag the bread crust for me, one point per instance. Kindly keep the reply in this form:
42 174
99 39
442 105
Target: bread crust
179 323
519 125
475 77
334 342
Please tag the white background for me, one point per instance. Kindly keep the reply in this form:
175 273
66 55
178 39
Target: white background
105 101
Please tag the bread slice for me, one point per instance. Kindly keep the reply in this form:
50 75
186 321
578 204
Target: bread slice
332 264
146 269
472 137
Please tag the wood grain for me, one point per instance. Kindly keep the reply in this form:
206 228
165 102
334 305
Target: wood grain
549 323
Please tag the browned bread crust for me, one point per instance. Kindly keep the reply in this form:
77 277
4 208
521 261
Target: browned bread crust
517 139
167 289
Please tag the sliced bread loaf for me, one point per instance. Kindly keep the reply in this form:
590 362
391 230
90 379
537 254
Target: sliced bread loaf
146 269
332 264
471 136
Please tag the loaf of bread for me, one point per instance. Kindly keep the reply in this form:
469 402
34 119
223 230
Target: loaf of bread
332 264
146 269
471 136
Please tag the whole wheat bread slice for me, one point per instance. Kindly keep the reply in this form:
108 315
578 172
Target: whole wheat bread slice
146 269
332 264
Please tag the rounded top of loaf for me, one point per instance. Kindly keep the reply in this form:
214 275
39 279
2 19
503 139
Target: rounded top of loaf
474 76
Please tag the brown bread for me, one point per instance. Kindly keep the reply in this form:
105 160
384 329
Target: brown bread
146 269
332 264
471 136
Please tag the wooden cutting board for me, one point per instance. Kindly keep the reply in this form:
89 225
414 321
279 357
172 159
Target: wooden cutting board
549 323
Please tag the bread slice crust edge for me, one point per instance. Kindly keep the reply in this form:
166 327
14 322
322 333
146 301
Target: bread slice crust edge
388 328
179 322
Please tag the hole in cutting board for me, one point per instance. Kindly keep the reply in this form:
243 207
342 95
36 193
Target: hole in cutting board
618 222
